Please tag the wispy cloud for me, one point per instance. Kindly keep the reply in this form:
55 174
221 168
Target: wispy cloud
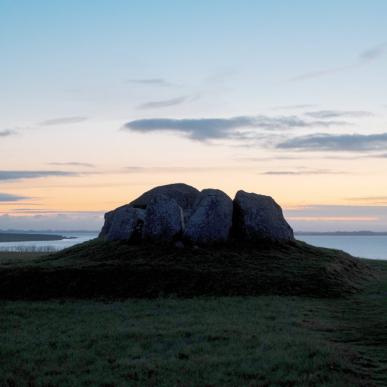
328 114
294 107
303 172
179 169
336 142
7 132
336 209
6 197
163 103
73 164
151 82
377 200
373 53
54 211
334 218
250 168
298 156
321 73
268 158
369 55
318 217
377 156
18 175
221 76
52 221
63 121
203 129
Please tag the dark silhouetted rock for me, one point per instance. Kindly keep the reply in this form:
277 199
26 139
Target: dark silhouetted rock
163 219
107 224
184 195
180 213
211 219
123 223
259 217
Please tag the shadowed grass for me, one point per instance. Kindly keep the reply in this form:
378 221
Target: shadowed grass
120 270
211 341
167 342
13 258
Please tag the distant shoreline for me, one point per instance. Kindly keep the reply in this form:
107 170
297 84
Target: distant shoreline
26 237
341 233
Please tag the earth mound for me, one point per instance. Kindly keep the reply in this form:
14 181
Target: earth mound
118 270
176 241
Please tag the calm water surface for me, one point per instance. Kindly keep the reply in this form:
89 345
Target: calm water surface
79 237
374 247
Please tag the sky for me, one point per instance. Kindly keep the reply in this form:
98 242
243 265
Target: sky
102 100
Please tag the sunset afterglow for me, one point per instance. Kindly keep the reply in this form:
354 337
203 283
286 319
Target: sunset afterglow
113 102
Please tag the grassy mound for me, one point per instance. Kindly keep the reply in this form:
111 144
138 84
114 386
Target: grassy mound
99 269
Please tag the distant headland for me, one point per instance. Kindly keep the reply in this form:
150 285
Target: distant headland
342 233
30 237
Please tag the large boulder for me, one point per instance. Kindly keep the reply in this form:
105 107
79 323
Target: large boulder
211 218
184 195
123 223
259 217
106 225
164 219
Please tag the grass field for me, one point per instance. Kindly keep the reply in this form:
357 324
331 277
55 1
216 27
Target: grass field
207 341
14 258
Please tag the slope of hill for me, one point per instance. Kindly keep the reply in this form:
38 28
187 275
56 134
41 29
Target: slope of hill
119 270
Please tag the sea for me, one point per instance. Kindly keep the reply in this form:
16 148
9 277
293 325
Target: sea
47 246
364 246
